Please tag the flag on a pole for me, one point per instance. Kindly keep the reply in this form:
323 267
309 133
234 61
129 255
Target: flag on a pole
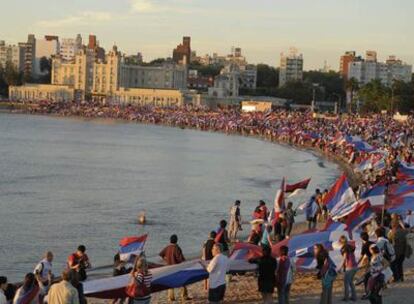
300 185
129 246
279 203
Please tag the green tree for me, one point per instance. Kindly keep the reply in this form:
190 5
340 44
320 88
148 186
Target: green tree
3 84
375 97
157 61
11 75
45 65
403 96
331 84
297 91
267 76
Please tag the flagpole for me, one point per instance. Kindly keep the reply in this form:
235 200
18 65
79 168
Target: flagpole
383 205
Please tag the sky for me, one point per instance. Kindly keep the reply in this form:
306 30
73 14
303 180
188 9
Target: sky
320 29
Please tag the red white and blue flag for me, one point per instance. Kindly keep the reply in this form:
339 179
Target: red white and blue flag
405 171
359 144
375 195
131 246
339 196
362 214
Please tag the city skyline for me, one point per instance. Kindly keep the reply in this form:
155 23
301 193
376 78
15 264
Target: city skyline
263 32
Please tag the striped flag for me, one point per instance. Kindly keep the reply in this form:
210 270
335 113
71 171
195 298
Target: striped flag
131 246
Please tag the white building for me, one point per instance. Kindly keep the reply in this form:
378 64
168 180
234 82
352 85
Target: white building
13 54
101 78
291 67
165 76
364 71
227 84
69 47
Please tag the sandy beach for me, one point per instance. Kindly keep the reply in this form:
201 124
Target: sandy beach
306 289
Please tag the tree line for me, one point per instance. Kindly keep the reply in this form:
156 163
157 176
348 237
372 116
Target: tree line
330 86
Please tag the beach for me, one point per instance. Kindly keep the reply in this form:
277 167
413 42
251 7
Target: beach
242 289
306 288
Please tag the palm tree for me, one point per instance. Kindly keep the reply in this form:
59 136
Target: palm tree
351 86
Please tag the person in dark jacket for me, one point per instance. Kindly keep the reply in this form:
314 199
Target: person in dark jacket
267 274
207 254
398 238
172 255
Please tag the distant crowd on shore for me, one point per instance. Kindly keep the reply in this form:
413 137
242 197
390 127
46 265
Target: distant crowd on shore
384 238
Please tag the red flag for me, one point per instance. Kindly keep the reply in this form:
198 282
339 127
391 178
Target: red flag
300 185
133 239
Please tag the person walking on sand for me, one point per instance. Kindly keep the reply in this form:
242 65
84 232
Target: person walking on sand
173 255
311 211
326 272
207 253
398 238
284 276
63 292
267 274
289 215
217 270
350 268
44 271
235 221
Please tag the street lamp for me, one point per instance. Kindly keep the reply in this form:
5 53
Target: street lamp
392 95
314 86
338 103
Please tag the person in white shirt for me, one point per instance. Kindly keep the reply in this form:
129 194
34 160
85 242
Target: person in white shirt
409 219
44 272
217 270
3 285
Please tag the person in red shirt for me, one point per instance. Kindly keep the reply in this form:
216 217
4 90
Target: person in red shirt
172 255
264 213
79 261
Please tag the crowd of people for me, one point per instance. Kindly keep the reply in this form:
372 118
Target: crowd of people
384 239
